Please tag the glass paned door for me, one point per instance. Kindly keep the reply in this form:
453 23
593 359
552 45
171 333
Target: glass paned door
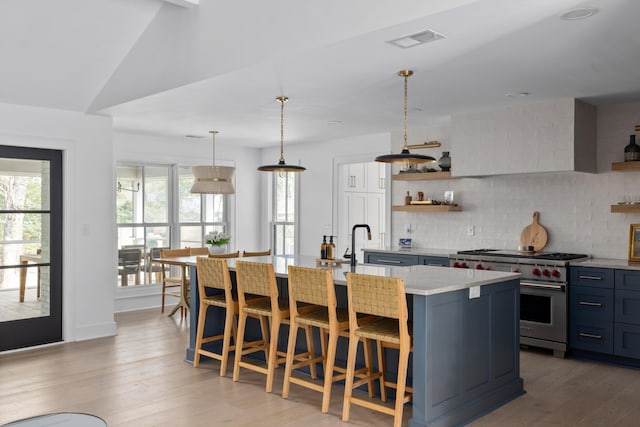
30 247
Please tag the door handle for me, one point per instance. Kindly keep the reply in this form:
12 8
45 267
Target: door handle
591 304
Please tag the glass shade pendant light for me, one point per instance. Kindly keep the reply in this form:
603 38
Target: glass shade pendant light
405 157
281 166
213 179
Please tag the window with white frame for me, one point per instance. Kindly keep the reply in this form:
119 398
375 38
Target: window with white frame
284 224
155 209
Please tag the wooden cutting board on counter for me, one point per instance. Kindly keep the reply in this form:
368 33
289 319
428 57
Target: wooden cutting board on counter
534 234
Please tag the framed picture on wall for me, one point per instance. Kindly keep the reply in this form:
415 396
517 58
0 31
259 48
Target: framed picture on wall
634 242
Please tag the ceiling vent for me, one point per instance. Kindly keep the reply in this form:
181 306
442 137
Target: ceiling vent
417 39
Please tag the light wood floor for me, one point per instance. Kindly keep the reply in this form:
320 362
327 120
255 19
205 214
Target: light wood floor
138 378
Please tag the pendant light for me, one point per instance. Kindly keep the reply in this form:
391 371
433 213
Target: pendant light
281 166
212 179
405 156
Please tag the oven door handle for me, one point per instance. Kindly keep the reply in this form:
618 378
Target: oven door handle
542 286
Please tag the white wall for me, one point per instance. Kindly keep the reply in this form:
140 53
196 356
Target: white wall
317 205
574 207
89 263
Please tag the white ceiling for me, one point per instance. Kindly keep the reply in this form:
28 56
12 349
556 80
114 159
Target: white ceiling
160 68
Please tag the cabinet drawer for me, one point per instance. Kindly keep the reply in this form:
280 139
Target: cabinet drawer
627 307
628 280
434 260
592 338
591 305
627 341
391 259
594 277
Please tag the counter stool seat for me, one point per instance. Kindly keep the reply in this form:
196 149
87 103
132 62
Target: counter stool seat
259 279
383 297
312 302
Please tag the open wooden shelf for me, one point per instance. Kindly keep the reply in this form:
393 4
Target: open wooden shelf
426 208
625 208
625 166
421 176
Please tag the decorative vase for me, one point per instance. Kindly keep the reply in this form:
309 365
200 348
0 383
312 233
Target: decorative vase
632 151
217 249
445 162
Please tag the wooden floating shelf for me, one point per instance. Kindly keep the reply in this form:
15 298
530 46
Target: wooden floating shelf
625 166
421 176
625 208
426 208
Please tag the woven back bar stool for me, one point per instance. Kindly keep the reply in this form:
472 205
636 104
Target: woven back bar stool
259 279
214 274
315 286
169 281
385 298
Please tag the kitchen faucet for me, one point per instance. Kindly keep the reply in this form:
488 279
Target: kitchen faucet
353 241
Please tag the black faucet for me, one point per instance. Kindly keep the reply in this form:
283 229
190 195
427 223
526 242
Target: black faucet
354 261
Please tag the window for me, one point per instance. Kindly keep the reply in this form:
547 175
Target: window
284 213
155 209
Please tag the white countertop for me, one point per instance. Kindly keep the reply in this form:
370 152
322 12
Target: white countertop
608 263
418 279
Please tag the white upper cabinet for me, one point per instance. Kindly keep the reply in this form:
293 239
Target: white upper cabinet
545 137
365 177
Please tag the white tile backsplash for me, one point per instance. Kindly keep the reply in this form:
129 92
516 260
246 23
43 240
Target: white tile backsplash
574 207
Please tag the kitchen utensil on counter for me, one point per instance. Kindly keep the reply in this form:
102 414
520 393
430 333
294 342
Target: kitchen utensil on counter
534 234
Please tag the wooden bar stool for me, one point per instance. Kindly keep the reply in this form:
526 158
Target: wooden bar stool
383 297
315 286
259 279
214 273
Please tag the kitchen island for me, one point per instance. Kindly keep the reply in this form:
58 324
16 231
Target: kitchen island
465 332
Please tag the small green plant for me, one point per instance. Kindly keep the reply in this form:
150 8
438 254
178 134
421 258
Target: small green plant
217 238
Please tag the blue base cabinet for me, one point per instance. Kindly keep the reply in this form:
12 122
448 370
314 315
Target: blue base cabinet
605 311
400 259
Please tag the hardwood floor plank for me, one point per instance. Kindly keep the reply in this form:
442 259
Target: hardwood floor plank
139 378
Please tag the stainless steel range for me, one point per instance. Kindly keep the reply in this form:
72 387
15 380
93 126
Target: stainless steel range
543 290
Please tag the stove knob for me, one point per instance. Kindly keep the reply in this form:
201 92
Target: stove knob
464 265
479 267
456 264
546 273
555 273
535 272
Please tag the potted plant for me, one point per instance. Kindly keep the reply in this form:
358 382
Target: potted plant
217 241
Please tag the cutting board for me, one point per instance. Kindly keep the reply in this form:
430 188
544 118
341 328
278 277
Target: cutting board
534 234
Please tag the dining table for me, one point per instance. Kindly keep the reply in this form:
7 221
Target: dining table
183 263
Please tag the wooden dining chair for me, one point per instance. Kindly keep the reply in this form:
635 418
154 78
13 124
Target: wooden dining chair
168 281
383 297
235 254
199 251
259 279
261 253
154 267
315 288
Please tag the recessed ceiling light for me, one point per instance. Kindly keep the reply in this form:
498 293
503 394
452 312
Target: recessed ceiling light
513 95
579 13
334 122
416 39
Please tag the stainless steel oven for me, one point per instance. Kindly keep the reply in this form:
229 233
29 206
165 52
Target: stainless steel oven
543 318
543 291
